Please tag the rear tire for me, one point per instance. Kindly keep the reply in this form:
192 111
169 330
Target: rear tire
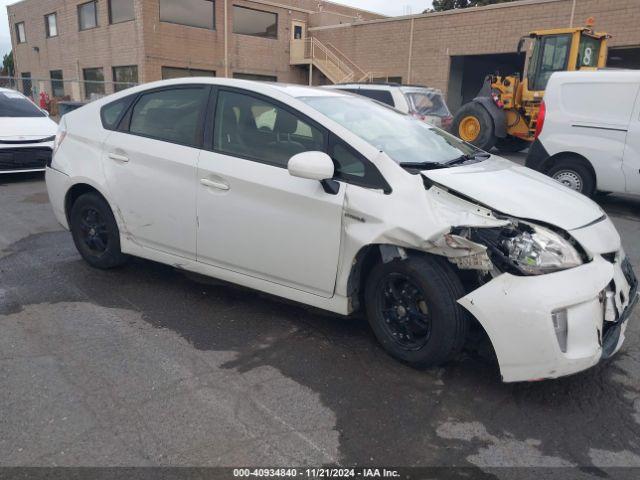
474 125
512 144
413 311
573 174
95 232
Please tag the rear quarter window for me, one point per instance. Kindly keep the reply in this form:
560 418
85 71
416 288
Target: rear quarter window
113 112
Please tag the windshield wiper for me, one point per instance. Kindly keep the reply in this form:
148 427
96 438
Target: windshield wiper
477 156
422 165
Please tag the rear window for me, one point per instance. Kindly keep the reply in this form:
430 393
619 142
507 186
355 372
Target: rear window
427 103
383 96
14 104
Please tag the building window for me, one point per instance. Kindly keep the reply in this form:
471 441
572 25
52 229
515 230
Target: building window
88 15
93 82
121 11
247 21
27 85
255 77
21 34
193 13
57 84
125 77
51 25
174 72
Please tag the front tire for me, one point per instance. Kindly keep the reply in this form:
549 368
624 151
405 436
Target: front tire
575 175
474 125
413 311
95 232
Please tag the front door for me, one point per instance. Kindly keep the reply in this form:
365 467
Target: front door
253 217
151 169
631 161
298 30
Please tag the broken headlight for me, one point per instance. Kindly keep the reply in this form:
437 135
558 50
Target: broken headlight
528 249
541 251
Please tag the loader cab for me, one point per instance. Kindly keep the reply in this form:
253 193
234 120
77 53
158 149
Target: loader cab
563 50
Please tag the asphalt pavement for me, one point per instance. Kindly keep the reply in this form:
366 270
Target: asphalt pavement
147 365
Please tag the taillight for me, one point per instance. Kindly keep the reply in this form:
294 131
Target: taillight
418 116
540 121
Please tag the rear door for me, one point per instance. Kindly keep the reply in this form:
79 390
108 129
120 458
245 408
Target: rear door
150 167
631 163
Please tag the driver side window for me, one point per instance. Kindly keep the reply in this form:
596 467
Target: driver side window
252 128
551 55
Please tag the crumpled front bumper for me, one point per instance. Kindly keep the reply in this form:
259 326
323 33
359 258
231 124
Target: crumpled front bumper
516 313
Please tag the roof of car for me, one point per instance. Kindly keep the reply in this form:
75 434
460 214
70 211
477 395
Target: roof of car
382 86
2 89
295 91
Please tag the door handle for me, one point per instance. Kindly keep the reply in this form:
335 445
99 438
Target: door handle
119 158
213 184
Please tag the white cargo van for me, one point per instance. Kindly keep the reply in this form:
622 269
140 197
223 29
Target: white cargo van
588 131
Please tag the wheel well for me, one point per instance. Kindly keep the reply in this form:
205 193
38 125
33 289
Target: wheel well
370 256
552 160
74 193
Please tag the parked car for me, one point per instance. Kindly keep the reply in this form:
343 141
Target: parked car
426 104
334 201
26 134
589 131
67 106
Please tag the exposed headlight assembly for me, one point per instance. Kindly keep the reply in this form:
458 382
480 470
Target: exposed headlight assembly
528 249
541 251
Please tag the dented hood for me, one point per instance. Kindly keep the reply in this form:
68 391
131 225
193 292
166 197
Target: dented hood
519 191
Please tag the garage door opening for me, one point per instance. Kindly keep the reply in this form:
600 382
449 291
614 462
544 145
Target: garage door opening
624 57
468 72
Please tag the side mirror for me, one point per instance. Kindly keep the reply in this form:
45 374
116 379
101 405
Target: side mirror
312 165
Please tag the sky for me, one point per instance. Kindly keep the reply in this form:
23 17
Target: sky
400 7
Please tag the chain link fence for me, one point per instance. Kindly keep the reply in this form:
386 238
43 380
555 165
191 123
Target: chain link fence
57 91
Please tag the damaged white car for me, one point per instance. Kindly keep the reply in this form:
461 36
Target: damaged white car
341 203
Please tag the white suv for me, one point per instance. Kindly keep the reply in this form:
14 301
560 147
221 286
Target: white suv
335 201
588 134
423 103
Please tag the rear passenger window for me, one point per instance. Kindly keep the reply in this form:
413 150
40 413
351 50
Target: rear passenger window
112 113
379 95
170 115
249 127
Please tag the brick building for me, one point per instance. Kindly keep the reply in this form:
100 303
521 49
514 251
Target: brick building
286 40
145 40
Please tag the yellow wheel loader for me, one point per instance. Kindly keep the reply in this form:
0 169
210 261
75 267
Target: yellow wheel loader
505 112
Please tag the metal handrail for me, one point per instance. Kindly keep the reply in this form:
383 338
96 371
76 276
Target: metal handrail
363 74
329 56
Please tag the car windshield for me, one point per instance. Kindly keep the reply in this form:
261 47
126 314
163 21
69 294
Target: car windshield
14 104
403 138
427 103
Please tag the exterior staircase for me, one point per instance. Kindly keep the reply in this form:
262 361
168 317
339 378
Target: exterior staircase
336 66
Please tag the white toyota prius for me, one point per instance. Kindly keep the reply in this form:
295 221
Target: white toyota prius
342 203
